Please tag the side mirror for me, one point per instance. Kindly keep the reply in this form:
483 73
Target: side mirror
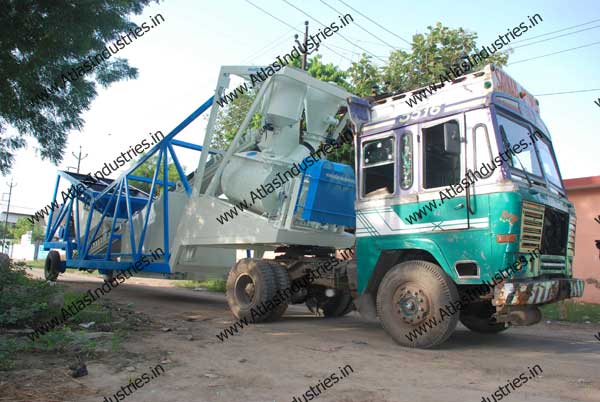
451 138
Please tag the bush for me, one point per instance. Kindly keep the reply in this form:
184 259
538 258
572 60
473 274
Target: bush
23 301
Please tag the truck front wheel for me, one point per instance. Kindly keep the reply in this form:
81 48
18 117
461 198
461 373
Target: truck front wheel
410 300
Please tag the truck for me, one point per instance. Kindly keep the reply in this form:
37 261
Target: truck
453 211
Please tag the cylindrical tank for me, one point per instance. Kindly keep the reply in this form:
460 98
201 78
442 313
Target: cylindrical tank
247 172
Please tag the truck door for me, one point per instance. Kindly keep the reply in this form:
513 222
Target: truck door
442 166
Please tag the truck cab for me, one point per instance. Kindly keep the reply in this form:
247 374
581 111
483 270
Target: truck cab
461 213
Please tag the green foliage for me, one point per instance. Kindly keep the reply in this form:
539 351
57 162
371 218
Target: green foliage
35 263
39 42
147 169
23 226
327 72
432 54
365 77
58 340
8 235
575 311
230 118
214 285
116 342
23 301
94 312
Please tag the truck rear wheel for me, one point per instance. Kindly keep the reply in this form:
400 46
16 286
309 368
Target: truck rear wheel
409 300
52 266
282 281
478 318
251 285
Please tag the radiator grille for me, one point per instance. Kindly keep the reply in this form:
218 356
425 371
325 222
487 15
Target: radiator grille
571 242
532 223
553 263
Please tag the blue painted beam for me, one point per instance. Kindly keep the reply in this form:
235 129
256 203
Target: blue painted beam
168 138
159 267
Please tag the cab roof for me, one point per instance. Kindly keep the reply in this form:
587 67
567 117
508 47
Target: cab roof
470 91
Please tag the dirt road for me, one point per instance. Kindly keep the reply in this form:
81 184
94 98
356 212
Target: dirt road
280 361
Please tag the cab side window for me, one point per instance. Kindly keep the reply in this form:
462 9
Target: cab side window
406 161
378 167
441 162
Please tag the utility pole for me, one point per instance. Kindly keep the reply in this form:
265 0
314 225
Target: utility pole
305 46
11 185
304 56
79 158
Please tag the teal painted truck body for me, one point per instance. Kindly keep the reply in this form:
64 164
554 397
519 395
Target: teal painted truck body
490 200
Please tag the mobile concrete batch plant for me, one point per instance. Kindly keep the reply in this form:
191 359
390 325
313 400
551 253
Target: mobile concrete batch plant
431 226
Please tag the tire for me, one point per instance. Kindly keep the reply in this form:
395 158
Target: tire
405 290
337 306
478 318
282 281
251 283
52 266
107 275
345 305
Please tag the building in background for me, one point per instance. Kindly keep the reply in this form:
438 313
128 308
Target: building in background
22 248
14 214
584 192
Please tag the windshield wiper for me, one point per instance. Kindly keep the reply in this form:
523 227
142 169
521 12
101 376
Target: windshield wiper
505 142
524 172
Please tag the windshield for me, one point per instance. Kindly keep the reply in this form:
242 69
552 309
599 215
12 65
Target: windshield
548 163
514 133
527 159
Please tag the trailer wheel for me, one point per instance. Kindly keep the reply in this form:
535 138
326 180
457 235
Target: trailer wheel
409 303
478 318
251 285
52 266
107 275
337 306
283 282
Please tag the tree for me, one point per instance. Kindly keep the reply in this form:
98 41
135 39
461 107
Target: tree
148 168
23 226
365 77
432 54
9 232
230 118
43 50
325 72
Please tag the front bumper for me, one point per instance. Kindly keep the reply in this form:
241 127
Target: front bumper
536 291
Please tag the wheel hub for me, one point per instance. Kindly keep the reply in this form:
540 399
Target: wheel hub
412 304
244 289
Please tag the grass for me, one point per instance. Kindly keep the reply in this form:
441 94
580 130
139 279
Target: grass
40 264
94 312
213 285
25 303
34 263
575 312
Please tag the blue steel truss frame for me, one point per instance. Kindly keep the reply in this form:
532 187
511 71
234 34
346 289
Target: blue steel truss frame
110 200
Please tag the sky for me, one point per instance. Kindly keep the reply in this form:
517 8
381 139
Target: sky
179 61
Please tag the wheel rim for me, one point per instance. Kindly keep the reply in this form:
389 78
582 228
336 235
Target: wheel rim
413 305
245 289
